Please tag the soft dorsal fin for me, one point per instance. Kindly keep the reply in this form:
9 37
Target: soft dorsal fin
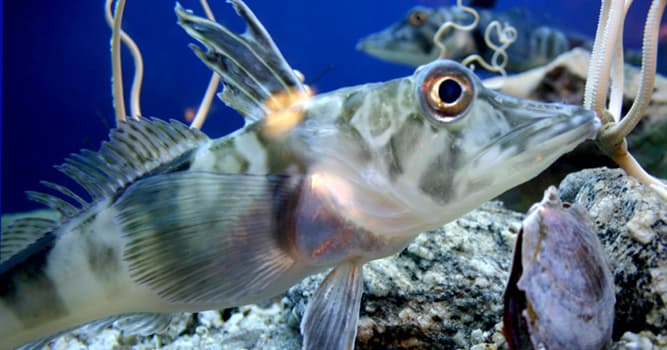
135 149
250 64
21 233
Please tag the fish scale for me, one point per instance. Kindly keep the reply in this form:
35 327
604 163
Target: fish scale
178 222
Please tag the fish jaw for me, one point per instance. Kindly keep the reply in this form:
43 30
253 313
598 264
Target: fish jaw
389 46
509 140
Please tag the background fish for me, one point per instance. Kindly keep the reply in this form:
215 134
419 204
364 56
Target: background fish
173 221
410 41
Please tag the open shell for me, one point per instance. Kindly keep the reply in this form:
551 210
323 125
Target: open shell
560 294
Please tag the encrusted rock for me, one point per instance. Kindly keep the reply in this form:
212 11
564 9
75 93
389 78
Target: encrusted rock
644 340
631 221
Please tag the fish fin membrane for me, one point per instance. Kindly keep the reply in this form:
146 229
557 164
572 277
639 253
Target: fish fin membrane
250 64
20 235
332 314
135 149
91 327
143 324
200 237
22 238
40 343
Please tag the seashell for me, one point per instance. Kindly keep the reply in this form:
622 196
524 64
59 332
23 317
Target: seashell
560 294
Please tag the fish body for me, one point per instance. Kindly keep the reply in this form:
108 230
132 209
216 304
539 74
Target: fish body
179 222
410 41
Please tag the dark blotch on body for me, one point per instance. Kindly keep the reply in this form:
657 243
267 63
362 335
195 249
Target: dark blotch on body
40 301
402 145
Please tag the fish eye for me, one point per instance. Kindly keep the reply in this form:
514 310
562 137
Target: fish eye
447 93
418 18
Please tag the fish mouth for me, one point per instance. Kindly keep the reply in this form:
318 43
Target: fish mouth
563 129
533 145
377 45
385 46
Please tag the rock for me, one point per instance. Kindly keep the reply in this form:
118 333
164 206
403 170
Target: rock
645 340
631 221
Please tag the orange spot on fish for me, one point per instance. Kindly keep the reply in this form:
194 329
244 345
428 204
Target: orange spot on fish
189 114
285 111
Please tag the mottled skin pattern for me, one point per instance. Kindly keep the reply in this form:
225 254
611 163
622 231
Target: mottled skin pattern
375 137
205 224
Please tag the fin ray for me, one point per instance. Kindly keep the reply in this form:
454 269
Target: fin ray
332 314
143 323
65 208
250 64
135 149
22 233
66 192
208 238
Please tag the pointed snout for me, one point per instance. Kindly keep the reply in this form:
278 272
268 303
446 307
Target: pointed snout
541 122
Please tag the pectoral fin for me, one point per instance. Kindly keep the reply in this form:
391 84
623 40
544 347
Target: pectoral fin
209 238
331 317
143 323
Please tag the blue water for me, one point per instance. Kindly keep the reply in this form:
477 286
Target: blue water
56 68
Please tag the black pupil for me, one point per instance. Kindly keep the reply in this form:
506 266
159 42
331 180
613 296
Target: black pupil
449 91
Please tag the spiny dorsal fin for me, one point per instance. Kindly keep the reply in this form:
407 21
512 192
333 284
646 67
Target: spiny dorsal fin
135 149
250 64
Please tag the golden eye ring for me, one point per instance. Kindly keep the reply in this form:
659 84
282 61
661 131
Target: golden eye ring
417 18
447 93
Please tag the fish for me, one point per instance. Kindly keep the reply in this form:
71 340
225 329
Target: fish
169 220
410 40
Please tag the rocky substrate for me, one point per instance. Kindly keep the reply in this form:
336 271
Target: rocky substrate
444 291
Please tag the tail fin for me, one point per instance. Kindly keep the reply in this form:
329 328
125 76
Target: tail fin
250 64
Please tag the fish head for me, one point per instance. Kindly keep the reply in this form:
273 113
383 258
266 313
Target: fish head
411 154
410 41
489 142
